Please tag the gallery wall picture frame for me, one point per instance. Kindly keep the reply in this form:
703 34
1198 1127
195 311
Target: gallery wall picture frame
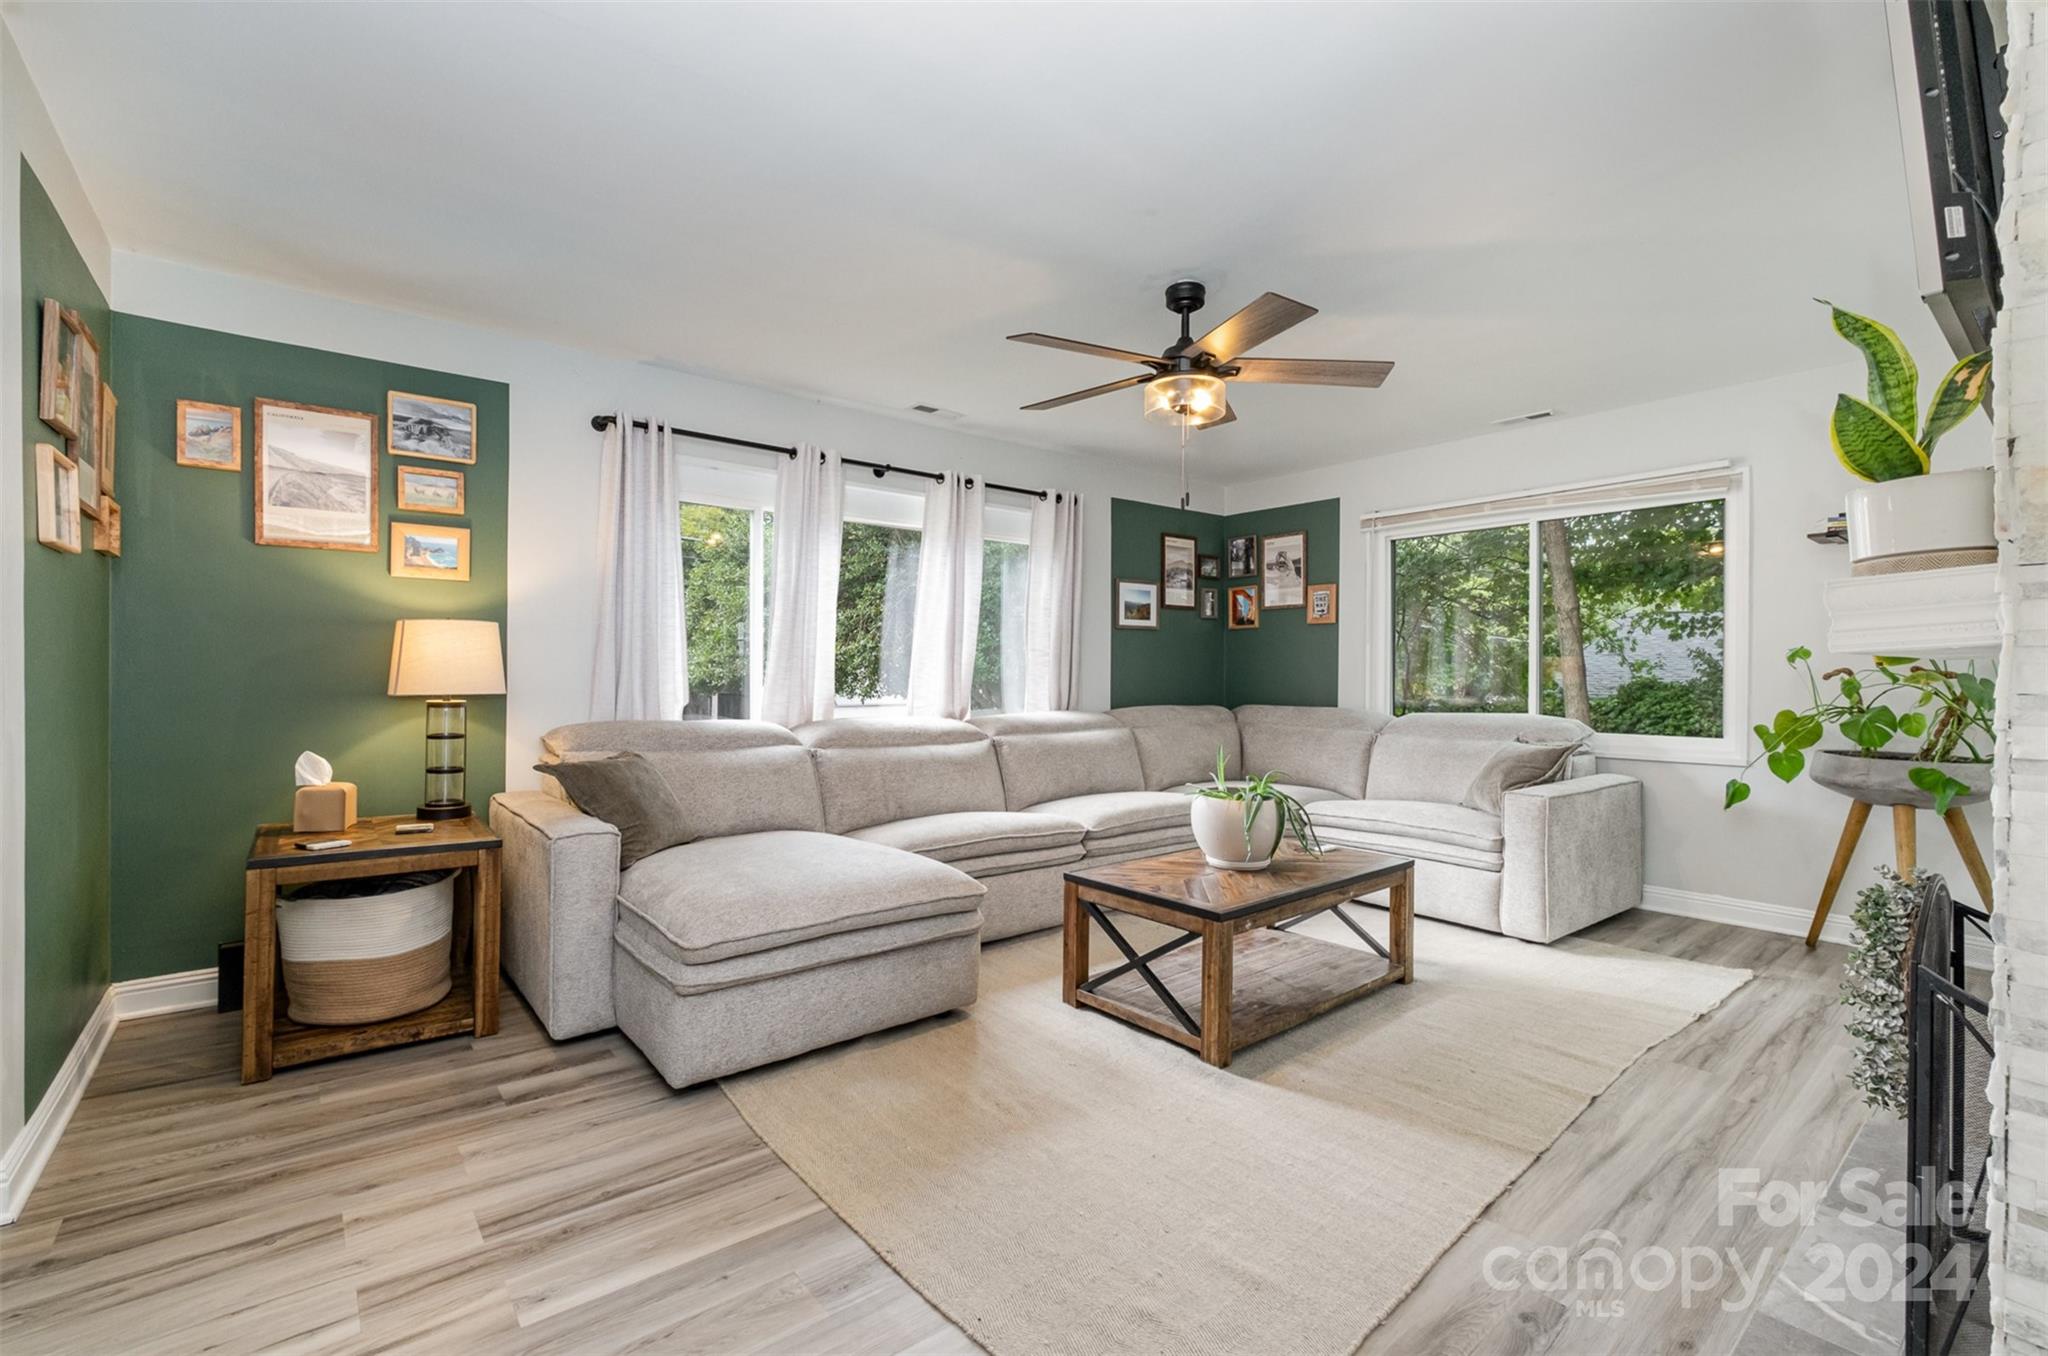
1322 604
108 406
1210 610
56 395
106 533
209 436
1241 557
1244 607
316 477
83 447
1177 565
1283 570
1208 567
429 551
1136 606
430 489
57 517
431 427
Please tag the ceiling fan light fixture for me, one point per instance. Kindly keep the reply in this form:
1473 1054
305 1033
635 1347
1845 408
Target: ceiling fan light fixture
1196 398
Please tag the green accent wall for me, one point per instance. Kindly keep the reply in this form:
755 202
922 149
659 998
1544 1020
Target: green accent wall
1183 660
231 658
65 607
1284 661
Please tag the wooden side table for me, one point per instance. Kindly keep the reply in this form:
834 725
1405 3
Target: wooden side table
270 1039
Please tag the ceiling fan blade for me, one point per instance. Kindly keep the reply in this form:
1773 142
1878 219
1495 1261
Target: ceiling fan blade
1311 371
1254 325
1229 417
1096 350
1092 391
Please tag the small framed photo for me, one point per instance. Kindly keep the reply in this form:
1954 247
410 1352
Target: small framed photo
57 524
429 551
1176 571
430 427
107 406
1242 555
1137 605
316 477
209 436
430 489
106 533
1209 608
1283 570
83 447
1244 607
1322 604
1208 567
64 333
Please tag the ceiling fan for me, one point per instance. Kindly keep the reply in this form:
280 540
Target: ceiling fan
1186 384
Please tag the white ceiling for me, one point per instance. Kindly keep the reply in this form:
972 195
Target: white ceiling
1525 206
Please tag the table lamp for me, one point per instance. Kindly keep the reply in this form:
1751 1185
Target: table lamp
446 662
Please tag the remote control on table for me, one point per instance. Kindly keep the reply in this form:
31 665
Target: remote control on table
326 844
412 828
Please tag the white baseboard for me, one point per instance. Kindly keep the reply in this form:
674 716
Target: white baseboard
181 992
1780 918
23 1162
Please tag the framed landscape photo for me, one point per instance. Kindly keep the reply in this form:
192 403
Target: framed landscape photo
1208 567
1244 607
1283 570
316 477
431 427
1209 608
1322 604
209 436
57 523
84 446
1241 555
1176 571
56 380
430 489
429 551
1137 605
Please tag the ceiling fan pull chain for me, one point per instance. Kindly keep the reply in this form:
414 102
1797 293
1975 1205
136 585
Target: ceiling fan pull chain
1183 460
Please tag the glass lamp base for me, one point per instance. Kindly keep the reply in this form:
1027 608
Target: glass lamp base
444 809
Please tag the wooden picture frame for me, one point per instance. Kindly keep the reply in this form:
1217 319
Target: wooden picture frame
1322 604
1210 608
1243 612
430 489
57 516
1208 567
1283 571
1178 560
106 533
55 396
83 447
108 406
1241 557
433 428
416 551
322 492
208 434
1135 605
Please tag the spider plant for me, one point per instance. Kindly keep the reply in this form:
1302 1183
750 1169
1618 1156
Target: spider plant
1257 792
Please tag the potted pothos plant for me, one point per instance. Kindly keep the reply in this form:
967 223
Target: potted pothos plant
1947 711
1905 516
1238 824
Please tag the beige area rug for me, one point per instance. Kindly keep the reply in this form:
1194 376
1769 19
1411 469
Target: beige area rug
1056 1181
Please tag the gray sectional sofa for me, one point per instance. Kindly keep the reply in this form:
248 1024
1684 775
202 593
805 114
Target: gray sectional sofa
843 876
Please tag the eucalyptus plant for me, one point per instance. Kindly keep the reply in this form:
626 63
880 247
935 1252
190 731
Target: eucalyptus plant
1876 438
1261 791
1950 714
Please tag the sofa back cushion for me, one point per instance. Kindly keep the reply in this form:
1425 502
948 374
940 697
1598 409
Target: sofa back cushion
879 771
1326 746
1051 755
1178 744
728 776
1436 755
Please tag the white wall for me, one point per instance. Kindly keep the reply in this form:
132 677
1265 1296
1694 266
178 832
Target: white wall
25 132
552 565
1775 848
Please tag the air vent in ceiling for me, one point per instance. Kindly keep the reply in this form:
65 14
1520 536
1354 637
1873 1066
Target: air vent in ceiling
936 412
1529 418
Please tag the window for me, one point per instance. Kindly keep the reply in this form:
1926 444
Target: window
1612 604
728 541
1005 580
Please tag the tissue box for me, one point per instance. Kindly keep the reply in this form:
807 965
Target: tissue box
324 809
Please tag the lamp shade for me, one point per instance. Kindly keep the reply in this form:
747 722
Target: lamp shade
436 657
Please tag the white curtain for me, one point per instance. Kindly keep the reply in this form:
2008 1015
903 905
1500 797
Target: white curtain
1052 651
803 610
642 666
948 601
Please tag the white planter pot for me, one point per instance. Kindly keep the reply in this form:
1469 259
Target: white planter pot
1929 522
1219 829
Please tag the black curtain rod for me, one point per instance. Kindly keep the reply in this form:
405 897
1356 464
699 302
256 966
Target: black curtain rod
601 422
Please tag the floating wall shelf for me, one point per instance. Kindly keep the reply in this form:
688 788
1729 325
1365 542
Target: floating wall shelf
1930 614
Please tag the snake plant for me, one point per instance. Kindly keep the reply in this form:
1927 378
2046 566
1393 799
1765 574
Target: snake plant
1259 791
1875 437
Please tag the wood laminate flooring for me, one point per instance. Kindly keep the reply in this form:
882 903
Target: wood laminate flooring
518 1195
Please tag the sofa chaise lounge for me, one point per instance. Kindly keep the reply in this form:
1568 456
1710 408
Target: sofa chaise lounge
841 877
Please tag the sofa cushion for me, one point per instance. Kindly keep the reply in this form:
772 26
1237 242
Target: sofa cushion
1052 755
1421 820
1436 755
603 737
728 791
1309 745
1179 744
625 791
657 953
1419 849
1113 814
974 833
723 897
881 771
1307 795
1514 766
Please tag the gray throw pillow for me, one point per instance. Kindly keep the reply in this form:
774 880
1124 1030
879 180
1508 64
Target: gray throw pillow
626 792
1515 766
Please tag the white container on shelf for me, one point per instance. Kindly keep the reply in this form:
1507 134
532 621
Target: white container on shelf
1931 522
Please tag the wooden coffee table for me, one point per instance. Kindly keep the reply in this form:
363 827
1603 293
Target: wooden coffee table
1252 977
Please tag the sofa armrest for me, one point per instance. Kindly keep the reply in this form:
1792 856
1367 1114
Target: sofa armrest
561 888
1573 855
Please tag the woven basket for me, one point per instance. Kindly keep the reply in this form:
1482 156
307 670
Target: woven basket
363 950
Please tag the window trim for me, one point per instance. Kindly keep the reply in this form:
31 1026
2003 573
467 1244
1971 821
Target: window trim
1731 749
